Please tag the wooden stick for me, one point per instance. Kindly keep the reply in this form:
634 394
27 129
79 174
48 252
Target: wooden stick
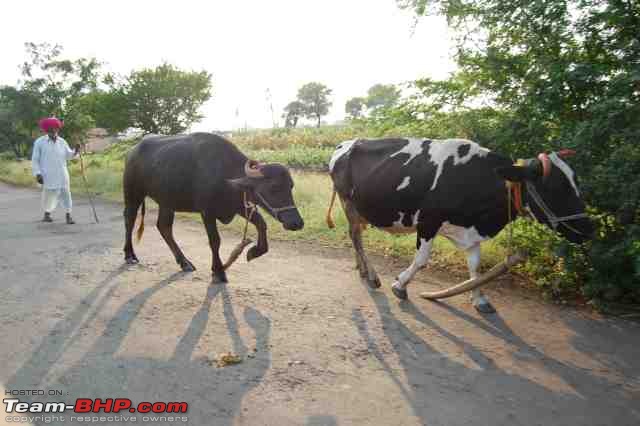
236 252
471 284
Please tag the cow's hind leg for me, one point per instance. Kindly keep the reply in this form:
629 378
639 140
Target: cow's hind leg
130 214
399 287
479 300
219 276
355 231
165 226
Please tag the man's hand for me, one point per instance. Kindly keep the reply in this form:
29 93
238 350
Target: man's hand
39 179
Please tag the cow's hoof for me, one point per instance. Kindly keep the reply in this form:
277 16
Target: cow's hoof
375 283
131 260
399 293
219 278
484 307
187 266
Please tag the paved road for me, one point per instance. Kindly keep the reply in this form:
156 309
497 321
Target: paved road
317 347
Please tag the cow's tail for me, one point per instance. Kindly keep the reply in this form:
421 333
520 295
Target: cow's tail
330 223
141 227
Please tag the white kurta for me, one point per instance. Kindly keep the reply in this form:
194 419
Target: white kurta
49 159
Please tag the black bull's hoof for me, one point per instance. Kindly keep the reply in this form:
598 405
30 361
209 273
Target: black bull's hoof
131 260
219 278
187 266
254 252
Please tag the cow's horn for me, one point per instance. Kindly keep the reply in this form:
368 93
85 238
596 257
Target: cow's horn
546 164
564 153
252 169
483 279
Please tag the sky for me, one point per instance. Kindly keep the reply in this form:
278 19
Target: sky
251 48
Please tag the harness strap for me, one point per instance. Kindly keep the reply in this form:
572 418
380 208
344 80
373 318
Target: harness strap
514 190
274 210
551 217
249 210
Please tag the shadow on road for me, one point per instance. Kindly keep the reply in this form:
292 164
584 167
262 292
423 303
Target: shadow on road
440 387
103 372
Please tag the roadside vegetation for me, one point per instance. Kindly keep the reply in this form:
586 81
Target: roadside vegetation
532 77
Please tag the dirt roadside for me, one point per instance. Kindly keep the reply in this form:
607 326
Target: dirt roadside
318 347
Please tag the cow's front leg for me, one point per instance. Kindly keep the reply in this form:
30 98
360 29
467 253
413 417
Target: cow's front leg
262 246
217 270
479 300
399 287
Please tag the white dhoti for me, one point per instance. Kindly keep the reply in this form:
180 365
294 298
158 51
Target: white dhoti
50 198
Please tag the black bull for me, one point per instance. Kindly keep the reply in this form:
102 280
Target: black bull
204 173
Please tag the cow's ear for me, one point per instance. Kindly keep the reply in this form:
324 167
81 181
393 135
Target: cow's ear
516 173
242 184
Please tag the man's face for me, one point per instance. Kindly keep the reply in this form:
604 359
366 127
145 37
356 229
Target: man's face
53 133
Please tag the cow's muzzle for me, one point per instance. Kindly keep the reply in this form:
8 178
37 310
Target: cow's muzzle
291 220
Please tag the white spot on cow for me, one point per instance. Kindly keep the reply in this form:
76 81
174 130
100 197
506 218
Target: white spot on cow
404 184
413 148
461 237
440 151
400 219
415 218
564 167
339 152
398 227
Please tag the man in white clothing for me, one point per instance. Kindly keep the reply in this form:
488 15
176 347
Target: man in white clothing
49 164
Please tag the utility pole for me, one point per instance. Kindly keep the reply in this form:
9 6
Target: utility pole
270 102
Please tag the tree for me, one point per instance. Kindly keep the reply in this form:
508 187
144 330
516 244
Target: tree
166 100
382 96
565 74
354 106
108 108
292 113
315 98
50 85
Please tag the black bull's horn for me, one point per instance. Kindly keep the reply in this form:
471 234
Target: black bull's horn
474 283
252 169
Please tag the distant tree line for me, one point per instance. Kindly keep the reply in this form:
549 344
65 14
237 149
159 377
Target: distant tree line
162 100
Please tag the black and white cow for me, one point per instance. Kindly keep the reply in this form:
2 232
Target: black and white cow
454 188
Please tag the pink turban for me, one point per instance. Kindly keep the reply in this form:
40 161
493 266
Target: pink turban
50 122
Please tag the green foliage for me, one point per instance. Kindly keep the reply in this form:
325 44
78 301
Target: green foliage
108 108
544 75
315 98
166 100
354 107
382 96
50 85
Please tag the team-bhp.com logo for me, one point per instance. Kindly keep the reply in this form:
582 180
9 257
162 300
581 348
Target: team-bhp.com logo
86 405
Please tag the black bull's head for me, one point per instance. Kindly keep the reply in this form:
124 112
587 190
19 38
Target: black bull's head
270 185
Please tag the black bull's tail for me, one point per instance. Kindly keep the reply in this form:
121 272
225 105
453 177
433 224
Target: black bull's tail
141 227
